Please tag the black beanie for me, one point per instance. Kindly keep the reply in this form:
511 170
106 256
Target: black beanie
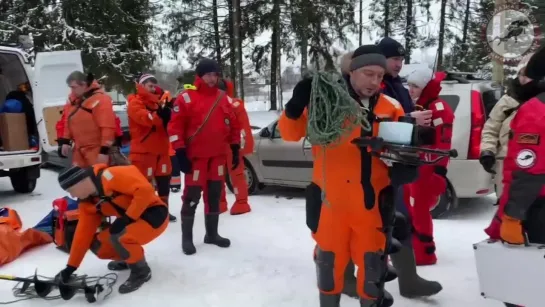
367 55
391 48
207 66
73 175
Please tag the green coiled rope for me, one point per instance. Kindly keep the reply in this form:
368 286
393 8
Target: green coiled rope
332 113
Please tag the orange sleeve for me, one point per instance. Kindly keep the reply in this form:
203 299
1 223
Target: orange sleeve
128 180
104 117
66 133
87 226
293 130
136 110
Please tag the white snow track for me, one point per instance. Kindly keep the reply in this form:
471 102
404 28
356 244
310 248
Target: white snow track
269 263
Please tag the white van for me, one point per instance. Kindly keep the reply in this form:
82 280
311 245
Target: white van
46 74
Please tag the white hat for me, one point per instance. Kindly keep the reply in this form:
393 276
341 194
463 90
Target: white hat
147 77
420 77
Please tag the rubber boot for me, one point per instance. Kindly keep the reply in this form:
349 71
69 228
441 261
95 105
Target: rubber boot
224 207
140 273
410 284
350 282
212 237
171 218
330 300
187 235
117 265
386 301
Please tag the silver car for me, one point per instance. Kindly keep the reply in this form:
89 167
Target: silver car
280 163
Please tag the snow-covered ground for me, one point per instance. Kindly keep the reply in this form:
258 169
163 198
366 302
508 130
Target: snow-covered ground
268 265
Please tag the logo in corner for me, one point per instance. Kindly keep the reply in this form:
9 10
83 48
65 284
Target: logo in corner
511 32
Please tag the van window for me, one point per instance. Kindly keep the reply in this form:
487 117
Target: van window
490 98
451 100
12 74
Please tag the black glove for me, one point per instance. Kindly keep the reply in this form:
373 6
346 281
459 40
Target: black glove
487 160
170 103
401 174
183 160
119 224
62 141
299 99
65 274
235 149
164 113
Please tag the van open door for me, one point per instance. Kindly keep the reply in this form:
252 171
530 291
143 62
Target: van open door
50 91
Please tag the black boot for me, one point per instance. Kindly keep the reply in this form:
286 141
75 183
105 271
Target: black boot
350 282
140 273
117 265
330 300
385 301
410 284
212 237
172 218
187 235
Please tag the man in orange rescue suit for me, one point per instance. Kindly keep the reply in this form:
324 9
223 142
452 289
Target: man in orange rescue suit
148 122
237 175
141 216
203 124
90 122
350 201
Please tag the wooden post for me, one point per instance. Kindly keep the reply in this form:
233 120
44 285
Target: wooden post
499 25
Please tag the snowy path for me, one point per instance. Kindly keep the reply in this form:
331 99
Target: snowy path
268 265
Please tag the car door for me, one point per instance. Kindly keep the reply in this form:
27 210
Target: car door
284 161
50 91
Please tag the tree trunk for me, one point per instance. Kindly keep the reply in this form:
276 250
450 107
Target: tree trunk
216 32
280 100
232 45
360 29
303 36
275 45
410 31
441 42
465 28
238 39
387 18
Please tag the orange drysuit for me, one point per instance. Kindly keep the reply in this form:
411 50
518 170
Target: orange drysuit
90 125
237 175
149 139
349 193
122 190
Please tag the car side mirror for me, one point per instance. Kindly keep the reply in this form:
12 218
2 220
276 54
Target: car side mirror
265 133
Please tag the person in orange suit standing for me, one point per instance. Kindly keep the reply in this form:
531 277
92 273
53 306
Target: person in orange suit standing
148 120
237 175
89 122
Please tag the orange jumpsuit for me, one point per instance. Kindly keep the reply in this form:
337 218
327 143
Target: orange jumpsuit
122 191
350 191
90 125
149 140
237 175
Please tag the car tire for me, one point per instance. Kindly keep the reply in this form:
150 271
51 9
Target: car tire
446 202
253 184
21 182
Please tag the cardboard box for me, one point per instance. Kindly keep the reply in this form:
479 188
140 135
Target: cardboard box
13 132
511 274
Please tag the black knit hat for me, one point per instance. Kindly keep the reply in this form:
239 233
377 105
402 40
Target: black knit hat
367 55
73 175
207 66
391 48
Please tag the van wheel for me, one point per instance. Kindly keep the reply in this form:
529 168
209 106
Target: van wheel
22 182
445 203
251 179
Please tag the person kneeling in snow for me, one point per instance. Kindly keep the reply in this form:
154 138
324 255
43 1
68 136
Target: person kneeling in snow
423 194
141 216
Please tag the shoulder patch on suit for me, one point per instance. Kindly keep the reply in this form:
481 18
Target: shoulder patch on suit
95 103
437 122
107 175
526 158
439 106
394 102
186 97
230 99
527 138
236 104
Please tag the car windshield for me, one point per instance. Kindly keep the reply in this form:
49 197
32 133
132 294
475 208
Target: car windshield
123 118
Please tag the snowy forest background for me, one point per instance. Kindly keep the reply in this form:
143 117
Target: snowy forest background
264 45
